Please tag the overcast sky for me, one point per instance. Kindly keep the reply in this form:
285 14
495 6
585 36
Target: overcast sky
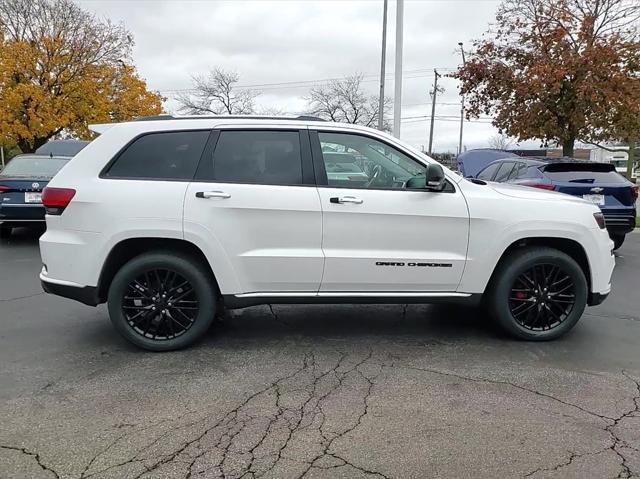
286 46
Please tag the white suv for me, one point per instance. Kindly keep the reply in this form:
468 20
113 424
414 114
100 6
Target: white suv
169 219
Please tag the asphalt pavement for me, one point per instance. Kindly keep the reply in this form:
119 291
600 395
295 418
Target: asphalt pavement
325 391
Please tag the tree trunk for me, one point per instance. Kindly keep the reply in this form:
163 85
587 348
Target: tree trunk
25 146
567 147
631 159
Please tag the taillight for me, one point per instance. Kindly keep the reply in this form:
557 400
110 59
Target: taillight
599 217
4 188
55 200
634 192
536 184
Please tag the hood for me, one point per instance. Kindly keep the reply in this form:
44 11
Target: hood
530 193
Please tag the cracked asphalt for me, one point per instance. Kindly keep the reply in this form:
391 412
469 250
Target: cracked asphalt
397 391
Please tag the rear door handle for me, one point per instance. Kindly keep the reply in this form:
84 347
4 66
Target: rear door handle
346 199
212 194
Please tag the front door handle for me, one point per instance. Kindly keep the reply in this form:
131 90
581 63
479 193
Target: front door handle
346 199
212 194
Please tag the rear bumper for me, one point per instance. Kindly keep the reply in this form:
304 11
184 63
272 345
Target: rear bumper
20 213
620 223
84 294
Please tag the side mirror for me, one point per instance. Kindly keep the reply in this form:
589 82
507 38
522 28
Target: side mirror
433 179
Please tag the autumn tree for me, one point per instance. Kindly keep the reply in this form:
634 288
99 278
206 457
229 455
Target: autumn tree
344 100
217 93
558 70
62 68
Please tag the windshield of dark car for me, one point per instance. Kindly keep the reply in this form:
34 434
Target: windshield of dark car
33 167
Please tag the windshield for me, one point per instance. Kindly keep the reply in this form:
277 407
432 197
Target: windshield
584 173
33 167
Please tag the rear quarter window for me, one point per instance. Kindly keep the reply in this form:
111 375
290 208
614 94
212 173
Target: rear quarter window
164 155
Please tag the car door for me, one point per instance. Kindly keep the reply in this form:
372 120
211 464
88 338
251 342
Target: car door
378 236
254 199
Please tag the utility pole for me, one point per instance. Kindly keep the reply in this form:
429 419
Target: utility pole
462 103
397 97
2 155
434 94
382 66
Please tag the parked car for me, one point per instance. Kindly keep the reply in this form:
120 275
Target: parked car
21 185
66 148
343 167
598 183
169 221
471 162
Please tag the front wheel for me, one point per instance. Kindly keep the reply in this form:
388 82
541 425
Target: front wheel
617 241
537 293
162 301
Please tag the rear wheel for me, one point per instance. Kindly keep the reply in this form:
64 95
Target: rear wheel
162 301
617 240
538 294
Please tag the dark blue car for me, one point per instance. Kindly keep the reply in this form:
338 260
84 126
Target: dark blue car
21 184
599 183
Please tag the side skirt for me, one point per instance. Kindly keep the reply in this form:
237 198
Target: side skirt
238 301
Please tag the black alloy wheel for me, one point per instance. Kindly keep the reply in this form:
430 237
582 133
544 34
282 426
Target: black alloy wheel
162 300
542 297
537 293
160 304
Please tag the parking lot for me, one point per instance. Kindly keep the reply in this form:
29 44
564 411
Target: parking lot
325 391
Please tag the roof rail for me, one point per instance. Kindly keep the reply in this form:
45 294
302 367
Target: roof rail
228 117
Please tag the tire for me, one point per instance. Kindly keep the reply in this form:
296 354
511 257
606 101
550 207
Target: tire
179 326
617 241
5 231
525 314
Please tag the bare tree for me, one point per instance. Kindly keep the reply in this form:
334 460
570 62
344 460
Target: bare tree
500 142
344 101
217 93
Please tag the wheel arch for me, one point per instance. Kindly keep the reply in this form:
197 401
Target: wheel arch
568 246
129 248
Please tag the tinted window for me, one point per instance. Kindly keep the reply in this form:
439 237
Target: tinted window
584 173
504 171
34 167
515 172
171 155
488 172
253 156
358 161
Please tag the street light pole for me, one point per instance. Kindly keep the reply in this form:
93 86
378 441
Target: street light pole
382 66
461 104
397 97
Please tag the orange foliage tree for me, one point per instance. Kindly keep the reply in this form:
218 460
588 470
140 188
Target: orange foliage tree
558 70
61 68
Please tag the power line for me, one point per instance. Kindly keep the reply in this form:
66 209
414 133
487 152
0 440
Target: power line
419 73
